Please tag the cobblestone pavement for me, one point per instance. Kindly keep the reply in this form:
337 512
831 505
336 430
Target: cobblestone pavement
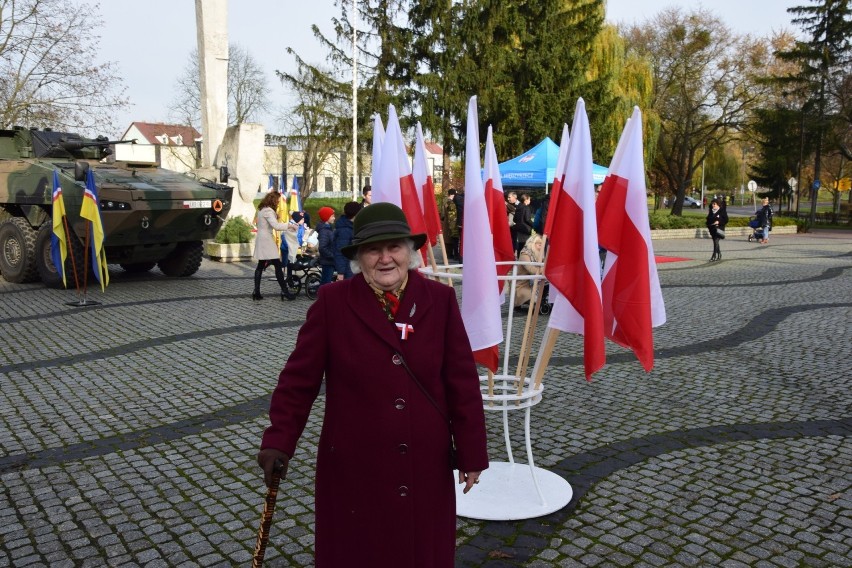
128 429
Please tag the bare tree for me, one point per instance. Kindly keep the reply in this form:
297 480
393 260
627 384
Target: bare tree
705 89
246 89
49 75
313 124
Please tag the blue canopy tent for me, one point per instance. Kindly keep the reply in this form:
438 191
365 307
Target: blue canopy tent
537 166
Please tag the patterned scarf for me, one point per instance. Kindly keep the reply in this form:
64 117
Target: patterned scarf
390 300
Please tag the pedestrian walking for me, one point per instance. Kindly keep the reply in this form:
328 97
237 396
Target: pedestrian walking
764 219
266 251
717 218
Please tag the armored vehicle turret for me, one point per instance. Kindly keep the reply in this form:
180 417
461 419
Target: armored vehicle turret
151 216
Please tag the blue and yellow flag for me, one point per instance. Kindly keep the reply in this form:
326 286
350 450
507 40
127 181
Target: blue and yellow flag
92 212
282 215
59 240
295 198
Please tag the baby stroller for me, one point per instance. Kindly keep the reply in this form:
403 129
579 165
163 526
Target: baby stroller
757 230
304 273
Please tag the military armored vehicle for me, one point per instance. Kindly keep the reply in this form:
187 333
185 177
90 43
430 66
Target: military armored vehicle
151 216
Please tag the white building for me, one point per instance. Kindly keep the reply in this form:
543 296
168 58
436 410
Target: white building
170 146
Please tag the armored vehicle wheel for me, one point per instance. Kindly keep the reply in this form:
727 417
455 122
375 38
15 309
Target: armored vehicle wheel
185 260
44 262
17 251
138 267
312 283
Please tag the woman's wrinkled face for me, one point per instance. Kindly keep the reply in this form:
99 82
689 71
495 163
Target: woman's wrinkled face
385 263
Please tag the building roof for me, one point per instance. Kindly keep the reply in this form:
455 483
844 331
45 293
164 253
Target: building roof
159 133
434 148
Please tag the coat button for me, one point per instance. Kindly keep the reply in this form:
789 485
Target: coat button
403 448
399 403
403 491
397 360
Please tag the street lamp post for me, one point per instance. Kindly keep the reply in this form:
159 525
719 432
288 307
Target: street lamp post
746 150
703 159
355 182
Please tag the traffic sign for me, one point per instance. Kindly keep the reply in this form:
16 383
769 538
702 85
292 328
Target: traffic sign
816 184
793 182
752 185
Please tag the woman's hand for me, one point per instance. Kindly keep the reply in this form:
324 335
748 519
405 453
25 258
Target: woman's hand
269 459
469 478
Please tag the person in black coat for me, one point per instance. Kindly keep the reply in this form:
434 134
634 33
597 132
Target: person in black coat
764 219
717 218
522 227
343 232
326 244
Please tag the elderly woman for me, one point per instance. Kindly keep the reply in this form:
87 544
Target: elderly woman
532 252
395 400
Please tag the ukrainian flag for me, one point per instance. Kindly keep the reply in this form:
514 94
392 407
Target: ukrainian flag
59 240
295 198
92 212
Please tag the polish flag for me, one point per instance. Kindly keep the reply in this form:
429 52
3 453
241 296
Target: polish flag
395 184
426 189
559 175
632 299
497 215
480 295
573 264
378 140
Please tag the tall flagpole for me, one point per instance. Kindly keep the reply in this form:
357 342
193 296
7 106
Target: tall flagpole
355 182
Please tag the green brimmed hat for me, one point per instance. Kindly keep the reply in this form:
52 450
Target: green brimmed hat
380 222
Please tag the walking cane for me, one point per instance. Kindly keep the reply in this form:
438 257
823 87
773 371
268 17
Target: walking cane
266 516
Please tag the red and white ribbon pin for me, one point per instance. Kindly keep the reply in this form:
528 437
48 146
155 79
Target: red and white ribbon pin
404 330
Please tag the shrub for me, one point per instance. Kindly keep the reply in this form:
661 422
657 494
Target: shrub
235 230
313 204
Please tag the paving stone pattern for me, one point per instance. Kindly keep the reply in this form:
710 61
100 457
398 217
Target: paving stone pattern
128 429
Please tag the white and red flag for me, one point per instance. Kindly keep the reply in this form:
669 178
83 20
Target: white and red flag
395 184
480 295
559 175
378 140
632 298
425 188
497 219
573 263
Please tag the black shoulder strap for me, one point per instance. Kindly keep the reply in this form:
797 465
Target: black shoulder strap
424 391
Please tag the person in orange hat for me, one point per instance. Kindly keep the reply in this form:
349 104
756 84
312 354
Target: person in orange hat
325 234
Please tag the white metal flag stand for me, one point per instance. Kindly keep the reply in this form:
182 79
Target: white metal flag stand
511 490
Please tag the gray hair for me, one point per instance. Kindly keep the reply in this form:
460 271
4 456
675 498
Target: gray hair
414 259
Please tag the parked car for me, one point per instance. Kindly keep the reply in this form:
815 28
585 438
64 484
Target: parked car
690 202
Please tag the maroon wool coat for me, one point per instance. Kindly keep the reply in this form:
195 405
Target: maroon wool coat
385 491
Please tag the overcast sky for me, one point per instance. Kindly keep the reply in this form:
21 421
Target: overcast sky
150 40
